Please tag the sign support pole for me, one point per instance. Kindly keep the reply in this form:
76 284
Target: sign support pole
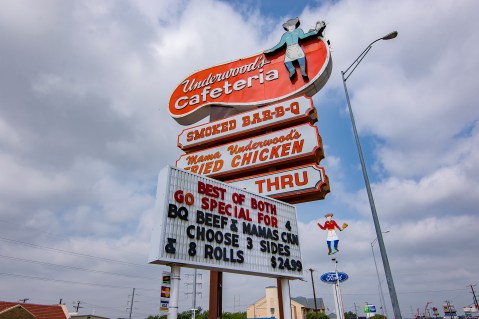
286 299
280 298
338 299
336 306
174 292
216 295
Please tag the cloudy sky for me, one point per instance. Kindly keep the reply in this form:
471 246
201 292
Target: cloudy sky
84 131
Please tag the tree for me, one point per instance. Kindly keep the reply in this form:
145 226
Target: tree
202 314
349 315
234 315
316 315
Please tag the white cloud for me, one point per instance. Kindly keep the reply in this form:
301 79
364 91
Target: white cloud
84 130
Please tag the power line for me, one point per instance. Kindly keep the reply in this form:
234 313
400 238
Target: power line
429 291
71 282
119 309
30 227
399 292
72 253
73 267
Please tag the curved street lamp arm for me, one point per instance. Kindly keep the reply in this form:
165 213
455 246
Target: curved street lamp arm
359 59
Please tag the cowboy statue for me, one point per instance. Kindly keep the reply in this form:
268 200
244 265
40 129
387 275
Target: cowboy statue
293 49
332 239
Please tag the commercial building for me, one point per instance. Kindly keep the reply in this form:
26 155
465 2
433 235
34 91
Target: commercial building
268 306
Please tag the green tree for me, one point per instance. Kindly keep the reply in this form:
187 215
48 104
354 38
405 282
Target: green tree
316 315
349 315
202 314
234 315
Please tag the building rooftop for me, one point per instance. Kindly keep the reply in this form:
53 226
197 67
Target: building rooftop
38 311
309 302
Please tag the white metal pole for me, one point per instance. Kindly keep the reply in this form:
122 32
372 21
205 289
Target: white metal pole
174 292
336 303
341 305
286 298
340 308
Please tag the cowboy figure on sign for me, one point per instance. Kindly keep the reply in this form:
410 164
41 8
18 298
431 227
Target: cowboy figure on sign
293 49
332 239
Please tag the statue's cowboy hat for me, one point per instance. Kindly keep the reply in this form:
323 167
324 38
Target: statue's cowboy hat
291 22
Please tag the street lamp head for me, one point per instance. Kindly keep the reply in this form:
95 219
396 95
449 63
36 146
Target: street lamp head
376 239
358 60
390 36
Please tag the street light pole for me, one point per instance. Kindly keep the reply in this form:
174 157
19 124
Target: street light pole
382 248
383 301
314 290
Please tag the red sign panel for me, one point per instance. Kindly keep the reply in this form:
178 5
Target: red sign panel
250 82
288 145
288 113
292 185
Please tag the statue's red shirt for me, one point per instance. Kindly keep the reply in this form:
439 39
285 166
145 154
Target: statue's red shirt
329 225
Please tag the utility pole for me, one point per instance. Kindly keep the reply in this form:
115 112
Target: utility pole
356 310
77 306
194 293
474 296
234 303
314 290
132 300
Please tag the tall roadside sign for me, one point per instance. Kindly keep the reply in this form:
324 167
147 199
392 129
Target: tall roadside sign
227 206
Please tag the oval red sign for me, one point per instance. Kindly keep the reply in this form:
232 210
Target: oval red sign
250 82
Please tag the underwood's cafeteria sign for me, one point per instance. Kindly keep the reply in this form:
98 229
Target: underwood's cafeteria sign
204 223
251 82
